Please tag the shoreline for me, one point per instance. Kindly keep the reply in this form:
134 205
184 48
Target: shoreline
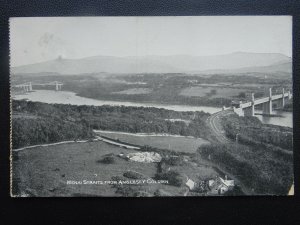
79 100
176 103
71 98
269 115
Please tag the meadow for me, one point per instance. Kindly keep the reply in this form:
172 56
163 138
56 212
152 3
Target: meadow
44 171
212 92
178 143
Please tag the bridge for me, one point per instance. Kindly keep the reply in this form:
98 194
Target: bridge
248 108
28 86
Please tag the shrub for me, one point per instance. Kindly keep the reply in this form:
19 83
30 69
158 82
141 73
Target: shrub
125 190
174 160
133 175
162 193
142 194
213 92
108 159
242 95
130 190
174 178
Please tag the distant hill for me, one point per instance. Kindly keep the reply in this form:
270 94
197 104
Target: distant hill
286 68
161 64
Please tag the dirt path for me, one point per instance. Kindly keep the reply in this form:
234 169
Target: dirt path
110 141
81 141
46 145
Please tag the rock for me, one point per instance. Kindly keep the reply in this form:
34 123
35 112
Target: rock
146 157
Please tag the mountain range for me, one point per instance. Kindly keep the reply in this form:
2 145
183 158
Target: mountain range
238 62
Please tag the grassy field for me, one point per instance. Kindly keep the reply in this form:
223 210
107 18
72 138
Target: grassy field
179 144
44 171
204 91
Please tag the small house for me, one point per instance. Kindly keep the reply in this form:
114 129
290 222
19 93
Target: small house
220 185
190 184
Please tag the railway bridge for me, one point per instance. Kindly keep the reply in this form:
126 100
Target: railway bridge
248 108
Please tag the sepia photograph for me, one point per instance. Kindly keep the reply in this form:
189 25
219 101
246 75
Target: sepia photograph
155 106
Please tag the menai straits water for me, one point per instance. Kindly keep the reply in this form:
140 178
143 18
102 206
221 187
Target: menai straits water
67 97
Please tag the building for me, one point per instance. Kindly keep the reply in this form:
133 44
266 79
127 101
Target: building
190 184
220 185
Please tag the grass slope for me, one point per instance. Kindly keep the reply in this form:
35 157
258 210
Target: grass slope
179 144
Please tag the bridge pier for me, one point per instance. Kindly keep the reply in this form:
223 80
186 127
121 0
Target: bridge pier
57 86
267 106
30 86
238 111
281 101
26 88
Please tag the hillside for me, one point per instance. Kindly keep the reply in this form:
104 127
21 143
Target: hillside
246 62
285 67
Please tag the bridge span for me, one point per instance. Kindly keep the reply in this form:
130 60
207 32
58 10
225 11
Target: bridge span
28 86
248 108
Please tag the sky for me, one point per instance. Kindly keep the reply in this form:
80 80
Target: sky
39 39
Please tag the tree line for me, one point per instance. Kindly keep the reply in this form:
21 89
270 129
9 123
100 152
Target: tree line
263 170
250 130
46 123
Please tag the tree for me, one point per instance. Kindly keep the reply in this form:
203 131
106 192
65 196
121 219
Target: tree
213 92
242 95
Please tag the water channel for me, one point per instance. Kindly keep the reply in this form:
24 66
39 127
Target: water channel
67 97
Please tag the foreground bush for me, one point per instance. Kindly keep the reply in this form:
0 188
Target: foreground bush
142 194
174 160
173 177
162 193
128 190
251 131
133 175
108 159
264 170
